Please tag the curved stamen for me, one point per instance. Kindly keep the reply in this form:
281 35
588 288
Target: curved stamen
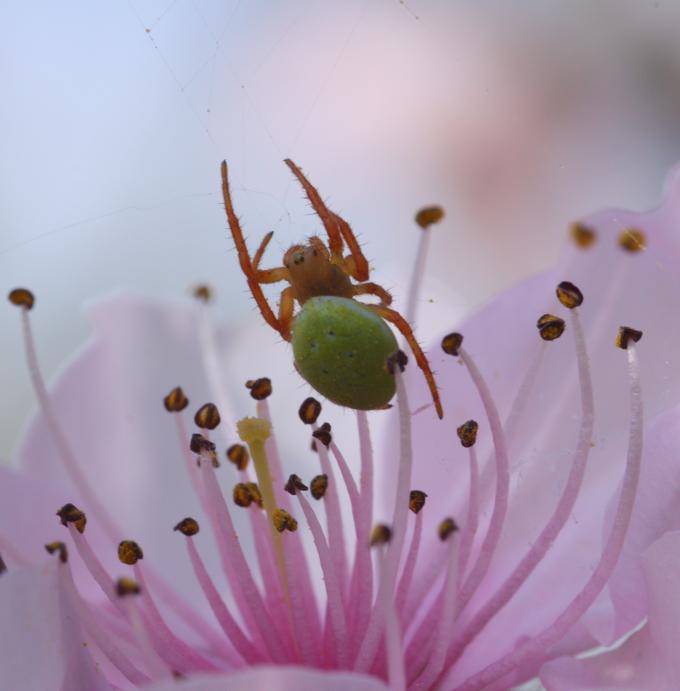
557 521
472 523
536 648
386 587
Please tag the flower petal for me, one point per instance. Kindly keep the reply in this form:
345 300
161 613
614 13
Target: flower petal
41 642
279 679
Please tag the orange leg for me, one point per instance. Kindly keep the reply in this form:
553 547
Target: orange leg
360 272
257 257
286 306
280 273
243 257
373 289
395 318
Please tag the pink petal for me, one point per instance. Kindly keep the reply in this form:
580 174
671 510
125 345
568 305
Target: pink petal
41 642
278 679
639 290
648 659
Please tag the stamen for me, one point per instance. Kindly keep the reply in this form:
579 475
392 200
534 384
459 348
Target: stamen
626 336
295 485
335 600
467 433
416 500
3 566
633 240
380 535
203 293
472 521
282 520
323 434
204 449
451 344
409 566
189 527
129 552
446 528
550 327
582 235
309 411
22 297
536 647
388 580
493 533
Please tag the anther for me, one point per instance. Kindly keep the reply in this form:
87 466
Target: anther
633 240
282 520
238 455
203 292
59 547
416 500
309 410
582 235
175 401
187 526
127 586
398 359
380 535
429 215
255 493
260 388
242 496
446 528
129 552
295 485
569 295
207 416
467 433
70 513
451 343
22 297
323 434
3 566
625 335
204 447
550 327
253 429
318 486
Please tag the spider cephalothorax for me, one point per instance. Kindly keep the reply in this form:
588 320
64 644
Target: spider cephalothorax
322 275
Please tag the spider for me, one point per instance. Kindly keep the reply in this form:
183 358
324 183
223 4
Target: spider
322 275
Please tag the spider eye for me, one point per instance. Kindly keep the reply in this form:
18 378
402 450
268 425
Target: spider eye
298 258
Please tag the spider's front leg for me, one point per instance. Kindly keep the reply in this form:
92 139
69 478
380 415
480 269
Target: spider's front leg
336 228
395 318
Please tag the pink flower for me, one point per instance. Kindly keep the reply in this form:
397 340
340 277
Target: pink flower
558 543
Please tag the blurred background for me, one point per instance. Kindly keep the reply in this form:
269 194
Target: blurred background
516 117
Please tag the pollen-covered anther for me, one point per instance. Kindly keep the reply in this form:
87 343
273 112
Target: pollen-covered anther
255 493
446 528
550 327
22 297
416 500
323 434
238 455
398 359
203 293
175 401
633 240
242 495
451 343
295 485
583 236
569 295
380 535
58 547
253 429
188 526
625 335
207 416
467 433
260 388
69 513
127 586
429 215
129 552
282 520
318 486
309 411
